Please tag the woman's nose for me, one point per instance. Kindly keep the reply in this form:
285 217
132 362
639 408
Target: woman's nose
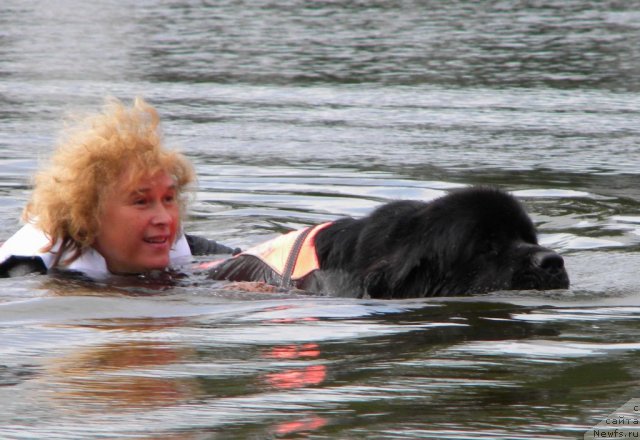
161 215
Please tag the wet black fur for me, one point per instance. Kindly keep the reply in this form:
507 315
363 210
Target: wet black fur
469 242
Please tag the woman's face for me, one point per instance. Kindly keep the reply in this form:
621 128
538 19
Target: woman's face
139 224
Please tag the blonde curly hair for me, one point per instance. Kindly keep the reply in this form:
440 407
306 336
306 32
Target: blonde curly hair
68 196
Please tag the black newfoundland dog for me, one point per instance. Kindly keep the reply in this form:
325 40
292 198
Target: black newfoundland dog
472 241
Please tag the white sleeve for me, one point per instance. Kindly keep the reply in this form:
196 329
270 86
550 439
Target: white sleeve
27 242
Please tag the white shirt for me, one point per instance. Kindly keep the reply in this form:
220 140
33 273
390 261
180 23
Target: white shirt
29 241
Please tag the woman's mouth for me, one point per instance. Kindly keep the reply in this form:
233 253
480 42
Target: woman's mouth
157 240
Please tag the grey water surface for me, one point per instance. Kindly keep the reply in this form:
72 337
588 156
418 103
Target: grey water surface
299 112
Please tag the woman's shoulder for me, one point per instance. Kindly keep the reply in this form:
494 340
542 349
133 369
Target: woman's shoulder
27 242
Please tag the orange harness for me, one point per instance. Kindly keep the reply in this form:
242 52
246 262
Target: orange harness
292 255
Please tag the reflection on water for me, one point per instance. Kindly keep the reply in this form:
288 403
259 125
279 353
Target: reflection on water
94 379
295 366
300 113
446 361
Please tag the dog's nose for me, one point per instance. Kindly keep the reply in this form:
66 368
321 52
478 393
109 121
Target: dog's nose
548 260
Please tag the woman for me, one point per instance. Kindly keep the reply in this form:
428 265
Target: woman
110 202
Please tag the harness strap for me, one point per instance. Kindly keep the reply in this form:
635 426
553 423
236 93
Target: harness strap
293 258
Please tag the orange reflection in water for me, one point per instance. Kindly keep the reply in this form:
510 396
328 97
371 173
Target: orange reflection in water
123 375
293 378
120 375
294 351
310 423
296 377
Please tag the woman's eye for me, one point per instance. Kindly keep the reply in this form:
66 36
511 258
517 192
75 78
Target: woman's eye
139 202
169 199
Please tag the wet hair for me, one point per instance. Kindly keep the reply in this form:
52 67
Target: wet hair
94 155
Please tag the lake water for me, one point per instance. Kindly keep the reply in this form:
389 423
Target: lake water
300 112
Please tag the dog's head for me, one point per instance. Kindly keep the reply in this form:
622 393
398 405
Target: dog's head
471 241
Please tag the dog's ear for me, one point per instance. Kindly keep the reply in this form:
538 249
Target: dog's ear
390 277
376 281
412 276
402 268
418 264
